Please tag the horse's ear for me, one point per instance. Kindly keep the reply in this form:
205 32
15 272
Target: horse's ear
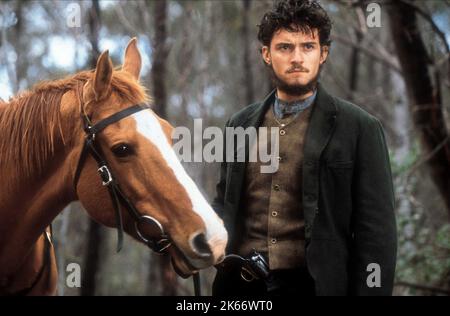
103 76
133 61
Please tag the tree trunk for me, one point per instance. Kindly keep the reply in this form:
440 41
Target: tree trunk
60 244
248 75
168 277
94 28
95 237
355 58
160 53
92 259
354 67
21 46
425 97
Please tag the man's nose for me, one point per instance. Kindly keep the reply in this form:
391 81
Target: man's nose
297 56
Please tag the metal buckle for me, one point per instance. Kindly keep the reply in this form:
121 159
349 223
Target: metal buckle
105 174
90 135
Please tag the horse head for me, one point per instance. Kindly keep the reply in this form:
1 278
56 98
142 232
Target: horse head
138 151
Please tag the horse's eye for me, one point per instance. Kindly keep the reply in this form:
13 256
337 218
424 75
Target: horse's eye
122 150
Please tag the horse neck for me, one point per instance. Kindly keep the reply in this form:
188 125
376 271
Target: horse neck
28 205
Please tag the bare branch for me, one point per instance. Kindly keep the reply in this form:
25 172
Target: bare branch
426 158
419 10
131 29
388 63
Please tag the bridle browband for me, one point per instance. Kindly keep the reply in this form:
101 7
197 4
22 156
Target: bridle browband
160 243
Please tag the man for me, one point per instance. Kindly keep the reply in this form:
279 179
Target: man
324 221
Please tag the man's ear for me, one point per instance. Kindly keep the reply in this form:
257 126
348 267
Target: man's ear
132 61
265 52
102 76
324 50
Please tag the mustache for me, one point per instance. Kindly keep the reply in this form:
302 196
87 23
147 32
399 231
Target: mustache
295 89
296 68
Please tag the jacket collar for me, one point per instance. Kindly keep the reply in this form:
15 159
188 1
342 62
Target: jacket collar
256 117
324 108
321 125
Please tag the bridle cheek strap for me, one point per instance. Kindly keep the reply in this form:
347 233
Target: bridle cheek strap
118 198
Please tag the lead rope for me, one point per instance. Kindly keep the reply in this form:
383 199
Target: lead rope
197 286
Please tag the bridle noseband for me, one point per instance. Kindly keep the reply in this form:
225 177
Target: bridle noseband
159 244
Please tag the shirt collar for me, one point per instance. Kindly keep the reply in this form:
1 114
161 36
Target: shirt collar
282 108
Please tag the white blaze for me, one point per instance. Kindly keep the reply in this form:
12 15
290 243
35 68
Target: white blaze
149 126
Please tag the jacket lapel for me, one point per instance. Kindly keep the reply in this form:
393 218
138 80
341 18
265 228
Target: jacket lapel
255 119
321 127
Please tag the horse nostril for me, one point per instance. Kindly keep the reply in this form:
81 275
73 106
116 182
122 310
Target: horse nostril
200 245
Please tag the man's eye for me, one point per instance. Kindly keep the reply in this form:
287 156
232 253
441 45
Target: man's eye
122 150
284 47
309 46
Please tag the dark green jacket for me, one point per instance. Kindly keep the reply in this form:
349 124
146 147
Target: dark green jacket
348 197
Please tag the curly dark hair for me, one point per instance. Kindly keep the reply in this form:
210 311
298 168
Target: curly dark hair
295 15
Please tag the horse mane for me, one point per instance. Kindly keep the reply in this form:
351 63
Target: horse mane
30 123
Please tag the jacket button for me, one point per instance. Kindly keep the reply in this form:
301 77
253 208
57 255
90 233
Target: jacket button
317 210
274 213
273 240
276 187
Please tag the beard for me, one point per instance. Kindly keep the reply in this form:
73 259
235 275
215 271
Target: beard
295 90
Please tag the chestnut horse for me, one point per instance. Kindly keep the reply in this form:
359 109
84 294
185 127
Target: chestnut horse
44 167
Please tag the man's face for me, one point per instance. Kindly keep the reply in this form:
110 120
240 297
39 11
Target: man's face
295 59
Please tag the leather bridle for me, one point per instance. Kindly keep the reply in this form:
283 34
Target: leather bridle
159 243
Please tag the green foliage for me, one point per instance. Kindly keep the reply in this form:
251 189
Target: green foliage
423 255
423 259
